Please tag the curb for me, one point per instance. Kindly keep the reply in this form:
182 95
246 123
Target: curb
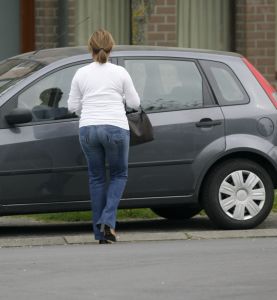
267 229
137 237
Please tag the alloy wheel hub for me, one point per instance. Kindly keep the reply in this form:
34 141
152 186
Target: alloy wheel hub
242 195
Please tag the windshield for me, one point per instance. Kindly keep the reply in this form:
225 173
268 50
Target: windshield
13 70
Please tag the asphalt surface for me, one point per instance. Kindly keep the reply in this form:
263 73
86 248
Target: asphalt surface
20 232
243 269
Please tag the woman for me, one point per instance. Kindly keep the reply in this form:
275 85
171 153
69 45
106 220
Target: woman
97 92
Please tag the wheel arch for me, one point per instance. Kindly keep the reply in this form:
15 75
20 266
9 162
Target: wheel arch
242 154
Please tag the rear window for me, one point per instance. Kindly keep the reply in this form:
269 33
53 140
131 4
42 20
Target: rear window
226 86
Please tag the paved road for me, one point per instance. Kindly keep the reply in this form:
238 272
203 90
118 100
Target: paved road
189 269
22 232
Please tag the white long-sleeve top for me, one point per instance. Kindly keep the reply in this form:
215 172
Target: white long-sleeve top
98 92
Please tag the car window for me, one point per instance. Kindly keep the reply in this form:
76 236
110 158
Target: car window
13 70
227 87
47 98
165 85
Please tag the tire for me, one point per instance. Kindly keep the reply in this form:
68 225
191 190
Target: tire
176 212
238 194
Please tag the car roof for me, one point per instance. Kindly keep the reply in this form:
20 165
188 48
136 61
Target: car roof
47 56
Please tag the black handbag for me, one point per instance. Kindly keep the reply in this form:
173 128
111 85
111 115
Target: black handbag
141 130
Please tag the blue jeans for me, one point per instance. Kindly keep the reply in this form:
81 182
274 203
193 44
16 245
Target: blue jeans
101 144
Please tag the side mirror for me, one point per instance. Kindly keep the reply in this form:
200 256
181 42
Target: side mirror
19 116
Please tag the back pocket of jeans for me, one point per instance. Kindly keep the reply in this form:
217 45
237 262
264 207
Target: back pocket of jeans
116 138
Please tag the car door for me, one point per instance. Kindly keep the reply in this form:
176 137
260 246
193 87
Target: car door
188 129
41 161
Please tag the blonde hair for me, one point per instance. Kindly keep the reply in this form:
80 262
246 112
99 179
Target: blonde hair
100 45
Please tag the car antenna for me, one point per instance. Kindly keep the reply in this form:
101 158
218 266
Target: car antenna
62 34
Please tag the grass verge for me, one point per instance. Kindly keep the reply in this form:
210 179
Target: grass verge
274 209
83 216
123 214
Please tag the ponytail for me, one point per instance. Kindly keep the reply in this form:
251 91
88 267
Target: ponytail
100 44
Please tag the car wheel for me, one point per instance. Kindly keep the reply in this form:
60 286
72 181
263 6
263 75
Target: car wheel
176 213
238 194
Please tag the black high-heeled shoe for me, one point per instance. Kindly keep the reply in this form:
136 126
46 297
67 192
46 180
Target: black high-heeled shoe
109 234
104 242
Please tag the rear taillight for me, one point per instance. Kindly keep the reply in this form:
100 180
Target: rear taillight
268 88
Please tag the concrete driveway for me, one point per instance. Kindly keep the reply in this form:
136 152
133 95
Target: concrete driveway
18 231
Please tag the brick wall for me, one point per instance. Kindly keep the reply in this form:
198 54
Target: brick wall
46 23
71 22
47 33
255 34
161 25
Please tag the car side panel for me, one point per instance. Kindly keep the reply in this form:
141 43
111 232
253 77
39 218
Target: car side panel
166 166
42 164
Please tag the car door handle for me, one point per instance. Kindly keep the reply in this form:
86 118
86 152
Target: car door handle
207 122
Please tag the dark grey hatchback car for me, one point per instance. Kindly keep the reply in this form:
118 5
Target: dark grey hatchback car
214 119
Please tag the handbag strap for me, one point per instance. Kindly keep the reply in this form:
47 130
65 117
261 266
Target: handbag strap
130 110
